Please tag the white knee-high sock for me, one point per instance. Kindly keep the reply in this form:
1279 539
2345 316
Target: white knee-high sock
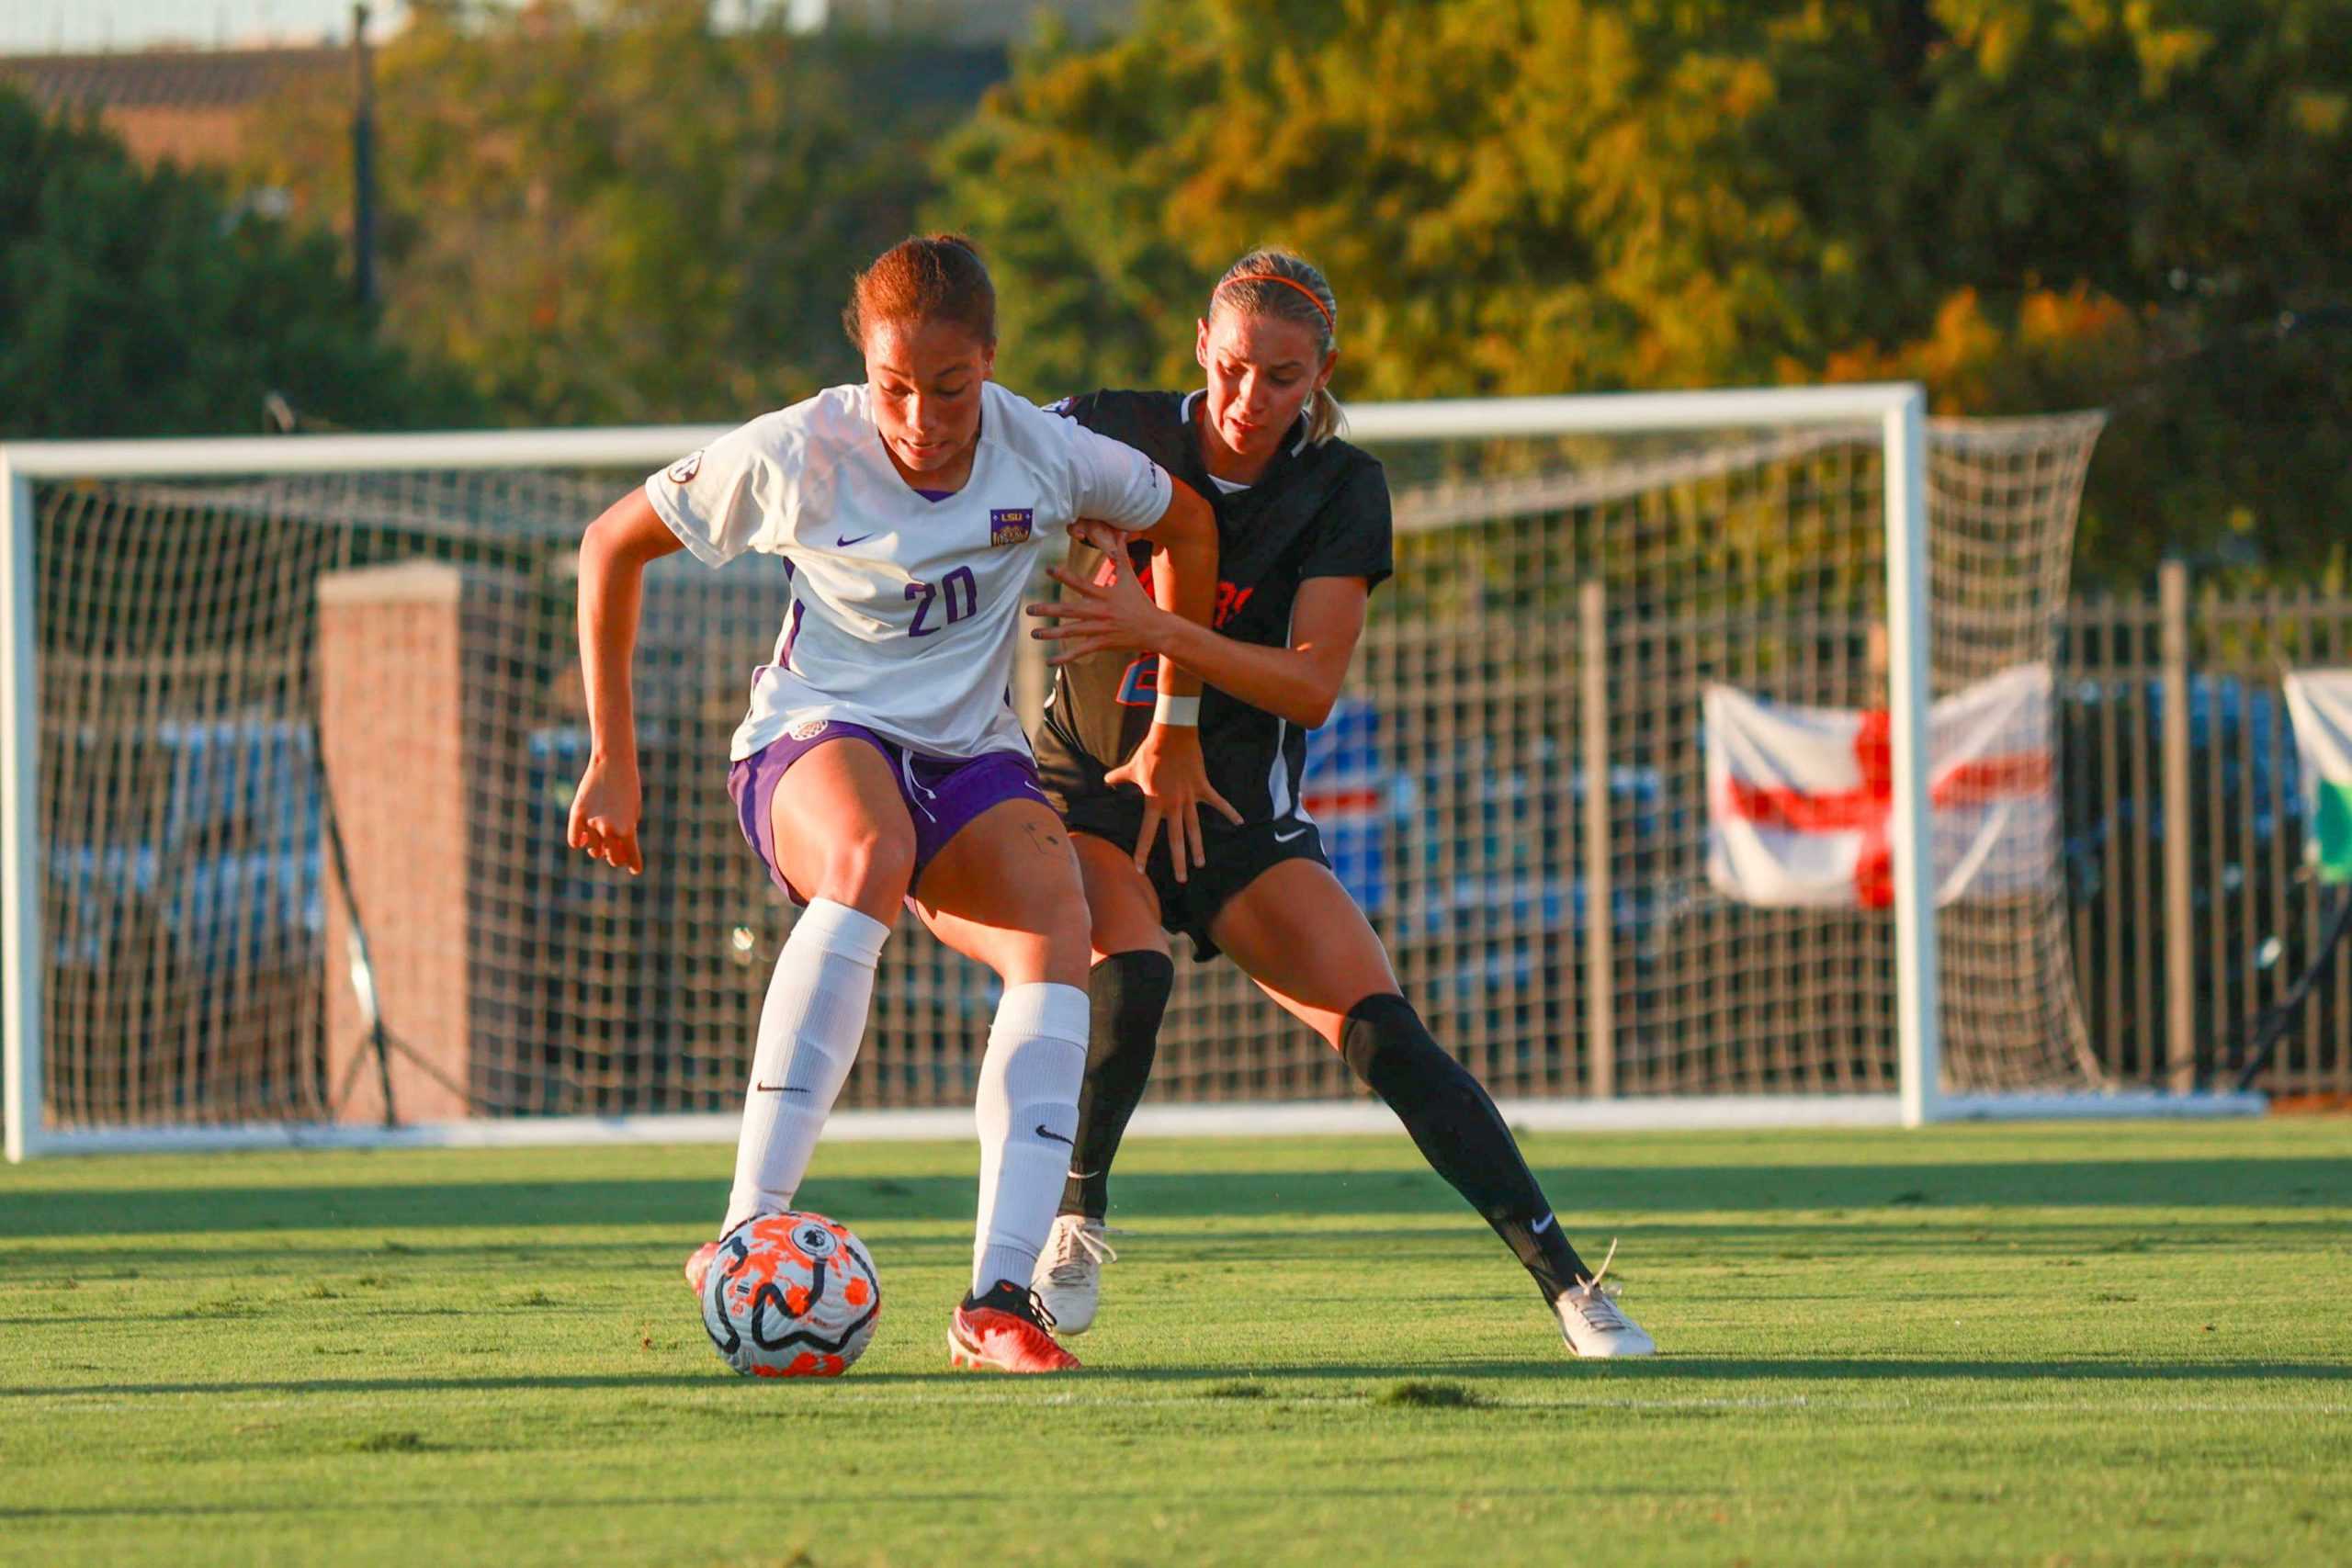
810 1029
1027 1111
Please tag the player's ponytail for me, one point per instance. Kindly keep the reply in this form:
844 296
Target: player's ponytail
1271 281
925 277
1325 417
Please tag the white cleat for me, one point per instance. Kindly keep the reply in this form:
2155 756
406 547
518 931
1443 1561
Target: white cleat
1070 1272
1595 1326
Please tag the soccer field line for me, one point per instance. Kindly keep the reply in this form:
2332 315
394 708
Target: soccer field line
67 1402
1219 1119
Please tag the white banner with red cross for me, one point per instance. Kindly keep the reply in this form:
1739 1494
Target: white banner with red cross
1799 799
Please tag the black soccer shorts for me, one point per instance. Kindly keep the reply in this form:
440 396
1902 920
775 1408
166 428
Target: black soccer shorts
1236 857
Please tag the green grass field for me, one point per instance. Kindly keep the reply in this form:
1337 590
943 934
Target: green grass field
2076 1345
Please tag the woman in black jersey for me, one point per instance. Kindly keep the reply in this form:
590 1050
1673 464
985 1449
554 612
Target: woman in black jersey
1302 526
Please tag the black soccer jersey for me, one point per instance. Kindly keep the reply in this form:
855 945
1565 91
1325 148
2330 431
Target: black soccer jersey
1318 511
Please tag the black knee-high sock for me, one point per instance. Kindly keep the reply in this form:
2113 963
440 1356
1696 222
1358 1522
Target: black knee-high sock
1460 1132
1129 991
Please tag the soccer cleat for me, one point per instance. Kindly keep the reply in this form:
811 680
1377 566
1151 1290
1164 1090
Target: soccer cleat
698 1260
1068 1280
698 1265
1005 1331
1593 1323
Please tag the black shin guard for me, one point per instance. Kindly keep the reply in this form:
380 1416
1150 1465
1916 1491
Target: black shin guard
1129 991
1459 1132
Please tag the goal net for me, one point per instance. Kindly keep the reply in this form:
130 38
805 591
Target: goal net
305 719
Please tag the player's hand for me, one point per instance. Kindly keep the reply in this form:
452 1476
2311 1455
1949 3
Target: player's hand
1114 616
605 811
1174 777
1111 539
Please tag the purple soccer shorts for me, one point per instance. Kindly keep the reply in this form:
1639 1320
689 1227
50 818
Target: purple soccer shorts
943 794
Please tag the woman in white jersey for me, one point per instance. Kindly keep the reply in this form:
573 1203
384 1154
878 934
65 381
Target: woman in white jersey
880 759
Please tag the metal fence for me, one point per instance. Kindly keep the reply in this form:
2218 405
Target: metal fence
2191 906
2168 711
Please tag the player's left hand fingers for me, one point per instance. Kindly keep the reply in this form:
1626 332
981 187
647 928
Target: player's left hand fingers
1073 626
1082 644
1075 583
1222 804
1197 843
1070 612
1150 834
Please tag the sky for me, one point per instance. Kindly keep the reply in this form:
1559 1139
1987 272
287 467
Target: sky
80 26
44 27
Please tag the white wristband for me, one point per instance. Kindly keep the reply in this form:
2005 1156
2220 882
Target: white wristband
1184 712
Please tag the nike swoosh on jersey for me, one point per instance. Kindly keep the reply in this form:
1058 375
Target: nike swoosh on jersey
844 544
1045 1132
1545 1224
1286 837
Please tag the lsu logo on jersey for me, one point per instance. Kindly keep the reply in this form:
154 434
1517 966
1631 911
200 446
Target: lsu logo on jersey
1011 525
684 470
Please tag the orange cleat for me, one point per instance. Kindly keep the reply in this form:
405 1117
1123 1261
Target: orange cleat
1005 1331
698 1265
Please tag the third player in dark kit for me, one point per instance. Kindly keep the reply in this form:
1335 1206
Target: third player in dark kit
1304 532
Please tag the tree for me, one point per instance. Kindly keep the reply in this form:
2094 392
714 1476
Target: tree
2031 203
149 303
614 213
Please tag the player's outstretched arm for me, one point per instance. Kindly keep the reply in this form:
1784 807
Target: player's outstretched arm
1167 766
1299 683
1184 576
613 557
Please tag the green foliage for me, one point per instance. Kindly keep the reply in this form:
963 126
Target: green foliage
611 212
148 303
604 209
2031 203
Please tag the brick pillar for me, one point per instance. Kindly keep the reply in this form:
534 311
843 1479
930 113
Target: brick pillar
406 654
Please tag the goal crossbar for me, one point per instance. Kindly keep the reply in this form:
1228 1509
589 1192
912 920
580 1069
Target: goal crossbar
639 445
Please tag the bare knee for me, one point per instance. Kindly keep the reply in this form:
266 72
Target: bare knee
1110 941
867 867
1068 936
1051 942
1122 912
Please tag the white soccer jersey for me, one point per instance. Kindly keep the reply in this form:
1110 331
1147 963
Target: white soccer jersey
904 610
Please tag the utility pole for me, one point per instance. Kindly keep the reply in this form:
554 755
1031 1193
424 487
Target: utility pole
363 160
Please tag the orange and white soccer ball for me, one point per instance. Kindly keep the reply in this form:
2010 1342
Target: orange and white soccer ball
791 1296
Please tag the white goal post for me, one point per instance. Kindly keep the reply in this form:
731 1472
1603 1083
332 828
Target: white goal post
1884 425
